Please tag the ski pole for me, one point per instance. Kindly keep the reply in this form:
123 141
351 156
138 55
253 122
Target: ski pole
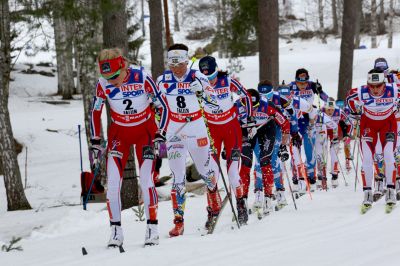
80 146
340 165
290 187
217 161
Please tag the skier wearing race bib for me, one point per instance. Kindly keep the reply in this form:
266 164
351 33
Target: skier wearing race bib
129 91
223 123
261 127
185 131
378 103
306 89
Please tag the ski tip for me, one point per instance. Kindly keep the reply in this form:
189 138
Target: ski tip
84 252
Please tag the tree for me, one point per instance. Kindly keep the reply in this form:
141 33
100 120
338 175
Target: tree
381 18
357 21
16 199
268 40
391 14
321 21
335 24
374 24
63 30
115 34
175 7
156 34
347 49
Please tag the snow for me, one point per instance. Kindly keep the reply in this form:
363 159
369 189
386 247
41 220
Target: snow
327 230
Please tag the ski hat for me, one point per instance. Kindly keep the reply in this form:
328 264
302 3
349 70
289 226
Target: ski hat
381 63
330 103
302 75
208 66
111 68
265 87
255 97
376 76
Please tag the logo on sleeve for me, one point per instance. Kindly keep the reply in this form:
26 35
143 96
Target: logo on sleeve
202 142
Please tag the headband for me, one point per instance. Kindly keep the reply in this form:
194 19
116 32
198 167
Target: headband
175 57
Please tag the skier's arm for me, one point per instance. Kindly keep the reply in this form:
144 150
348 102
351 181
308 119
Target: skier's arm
279 118
97 107
164 116
307 108
353 101
317 89
156 98
237 87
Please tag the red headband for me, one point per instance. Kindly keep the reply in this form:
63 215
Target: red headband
110 66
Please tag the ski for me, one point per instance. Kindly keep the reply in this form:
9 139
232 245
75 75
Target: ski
120 248
216 218
365 208
259 212
279 207
389 207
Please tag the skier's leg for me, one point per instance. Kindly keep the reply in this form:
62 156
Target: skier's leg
177 149
247 161
276 161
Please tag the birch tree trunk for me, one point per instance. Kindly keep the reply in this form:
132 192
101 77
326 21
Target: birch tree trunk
63 27
176 15
321 20
390 27
347 49
357 39
16 199
335 25
374 24
156 34
268 40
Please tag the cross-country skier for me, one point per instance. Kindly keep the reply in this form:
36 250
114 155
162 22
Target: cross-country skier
261 127
223 124
340 119
128 90
306 89
378 101
185 131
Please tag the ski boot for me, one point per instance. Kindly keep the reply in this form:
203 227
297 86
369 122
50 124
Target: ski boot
280 200
312 183
178 229
258 201
241 206
379 190
390 198
398 188
367 202
348 165
268 204
335 181
302 187
117 237
151 238
211 218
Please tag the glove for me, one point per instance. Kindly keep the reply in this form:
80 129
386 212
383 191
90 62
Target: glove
223 154
283 153
335 141
296 140
158 139
317 86
251 132
96 150
196 86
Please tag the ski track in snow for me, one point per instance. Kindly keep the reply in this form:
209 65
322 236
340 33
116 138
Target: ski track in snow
328 230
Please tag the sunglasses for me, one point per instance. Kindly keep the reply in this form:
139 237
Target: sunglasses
176 65
114 76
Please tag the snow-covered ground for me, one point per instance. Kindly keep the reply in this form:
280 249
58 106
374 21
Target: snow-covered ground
327 230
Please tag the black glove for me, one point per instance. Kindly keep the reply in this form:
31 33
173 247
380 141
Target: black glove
296 140
283 153
335 141
317 87
223 154
96 150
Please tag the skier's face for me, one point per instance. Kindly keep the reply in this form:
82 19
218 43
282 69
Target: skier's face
301 85
117 80
178 69
329 111
377 89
